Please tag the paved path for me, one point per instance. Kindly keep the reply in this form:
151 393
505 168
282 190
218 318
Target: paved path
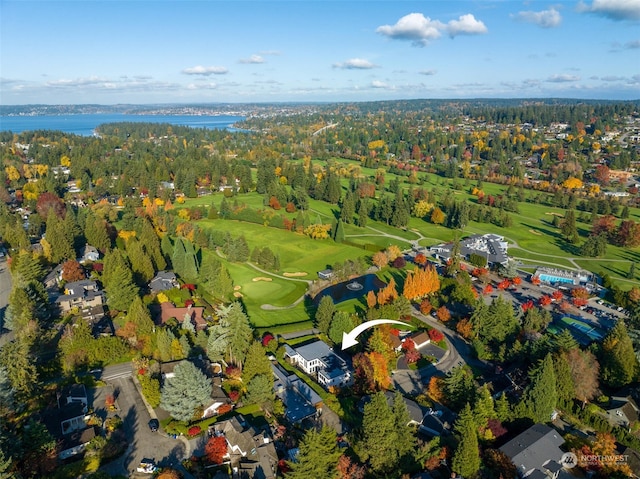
330 125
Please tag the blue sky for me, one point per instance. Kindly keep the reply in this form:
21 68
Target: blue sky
139 51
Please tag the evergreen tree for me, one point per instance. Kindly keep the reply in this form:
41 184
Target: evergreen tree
384 210
151 243
459 387
240 333
59 241
185 392
120 289
317 457
565 341
348 208
564 381
95 232
503 408
7 394
256 363
540 397
141 263
466 458
619 365
339 236
191 265
401 212
218 342
166 246
260 390
484 408
324 314
405 440
379 436
340 323
363 213
20 367
632 271
568 226
138 314
179 257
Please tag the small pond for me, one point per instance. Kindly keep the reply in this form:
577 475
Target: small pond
352 289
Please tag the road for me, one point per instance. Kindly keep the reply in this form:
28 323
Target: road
131 408
458 352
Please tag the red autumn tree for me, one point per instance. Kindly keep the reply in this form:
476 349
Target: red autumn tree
545 300
435 335
72 271
628 234
488 289
420 259
290 208
535 280
557 295
604 225
517 281
50 202
527 305
274 203
580 293
601 174
347 469
216 449
504 284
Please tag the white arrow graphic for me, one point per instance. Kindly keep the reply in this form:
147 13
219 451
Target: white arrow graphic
349 339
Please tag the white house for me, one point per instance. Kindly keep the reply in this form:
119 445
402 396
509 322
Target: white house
318 359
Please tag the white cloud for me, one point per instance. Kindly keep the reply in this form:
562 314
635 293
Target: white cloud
355 64
202 86
632 45
563 78
420 29
466 25
545 19
380 84
415 27
205 71
613 9
612 78
428 72
253 59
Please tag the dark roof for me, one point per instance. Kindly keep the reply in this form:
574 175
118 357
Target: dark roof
163 281
534 448
625 404
77 438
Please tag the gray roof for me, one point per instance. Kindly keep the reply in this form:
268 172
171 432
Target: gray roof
489 246
534 448
334 366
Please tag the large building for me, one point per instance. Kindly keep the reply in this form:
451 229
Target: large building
317 359
490 246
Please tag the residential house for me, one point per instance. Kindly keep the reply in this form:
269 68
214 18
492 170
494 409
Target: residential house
251 453
300 401
163 281
536 452
622 411
420 338
86 296
52 279
68 422
88 254
191 313
218 398
490 246
317 359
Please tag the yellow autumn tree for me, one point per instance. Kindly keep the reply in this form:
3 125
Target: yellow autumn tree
572 183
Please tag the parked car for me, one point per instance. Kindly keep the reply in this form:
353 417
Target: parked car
147 466
154 424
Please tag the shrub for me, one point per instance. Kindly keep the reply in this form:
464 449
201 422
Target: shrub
194 431
435 335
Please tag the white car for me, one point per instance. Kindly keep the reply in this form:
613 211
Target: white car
147 466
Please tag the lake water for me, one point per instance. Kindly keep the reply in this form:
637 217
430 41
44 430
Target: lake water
342 292
85 124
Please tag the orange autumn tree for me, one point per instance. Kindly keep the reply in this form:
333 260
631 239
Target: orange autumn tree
436 388
371 372
372 301
421 282
388 294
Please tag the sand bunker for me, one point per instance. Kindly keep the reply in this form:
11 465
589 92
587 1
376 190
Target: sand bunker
553 213
262 278
237 288
534 232
237 295
294 275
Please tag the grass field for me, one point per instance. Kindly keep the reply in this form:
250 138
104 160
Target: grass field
533 238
